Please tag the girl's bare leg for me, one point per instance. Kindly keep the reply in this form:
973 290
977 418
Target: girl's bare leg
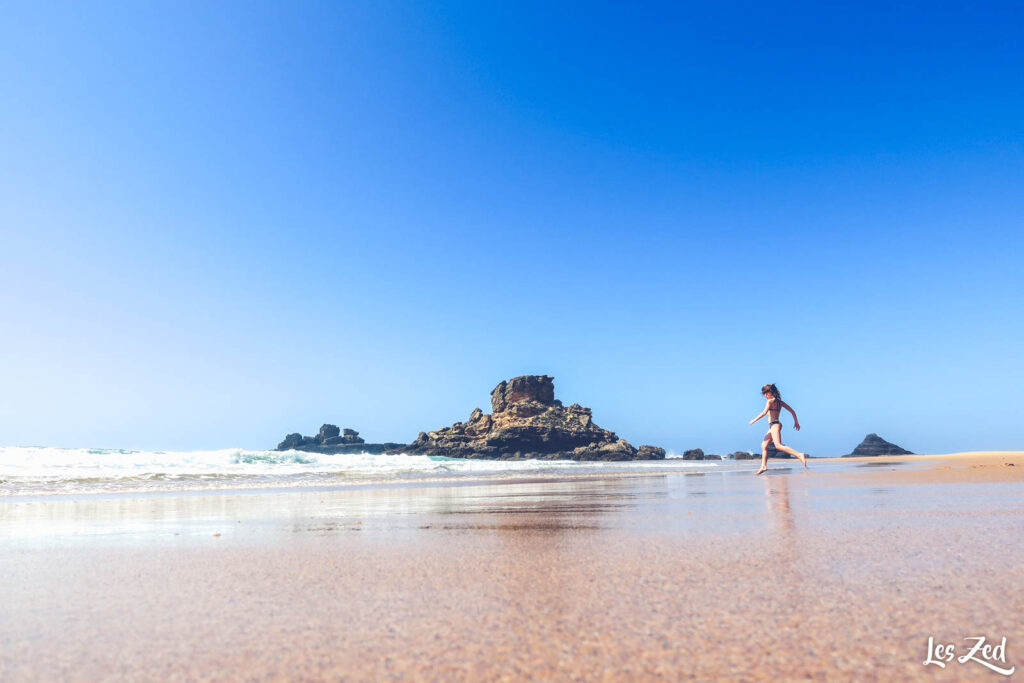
764 455
777 439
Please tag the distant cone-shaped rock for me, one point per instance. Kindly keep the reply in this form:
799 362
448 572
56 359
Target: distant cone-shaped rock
873 444
528 422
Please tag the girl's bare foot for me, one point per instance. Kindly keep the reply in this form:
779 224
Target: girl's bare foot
763 469
803 460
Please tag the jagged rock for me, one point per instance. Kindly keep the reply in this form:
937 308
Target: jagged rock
328 432
693 454
330 439
873 445
650 453
745 455
291 441
536 388
528 422
712 457
613 450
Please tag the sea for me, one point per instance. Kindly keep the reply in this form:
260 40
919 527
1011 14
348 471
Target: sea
41 471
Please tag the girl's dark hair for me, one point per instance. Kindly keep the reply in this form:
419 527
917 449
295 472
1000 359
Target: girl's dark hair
771 389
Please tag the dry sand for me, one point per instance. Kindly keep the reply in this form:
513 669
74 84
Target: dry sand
839 573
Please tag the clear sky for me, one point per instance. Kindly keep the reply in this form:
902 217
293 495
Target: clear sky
225 221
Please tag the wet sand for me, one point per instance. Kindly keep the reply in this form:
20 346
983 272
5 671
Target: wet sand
840 573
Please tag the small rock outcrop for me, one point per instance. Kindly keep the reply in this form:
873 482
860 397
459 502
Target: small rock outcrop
774 453
528 422
873 445
745 455
699 454
330 439
694 454
650 453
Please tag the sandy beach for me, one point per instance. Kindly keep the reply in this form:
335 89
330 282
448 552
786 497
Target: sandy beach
439 341
842 572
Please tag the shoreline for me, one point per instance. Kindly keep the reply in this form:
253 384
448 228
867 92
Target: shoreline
835 465
840 573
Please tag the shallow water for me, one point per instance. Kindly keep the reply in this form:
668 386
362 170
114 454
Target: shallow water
48 471
837 573
719 496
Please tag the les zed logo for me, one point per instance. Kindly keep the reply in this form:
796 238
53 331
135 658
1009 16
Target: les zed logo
981 653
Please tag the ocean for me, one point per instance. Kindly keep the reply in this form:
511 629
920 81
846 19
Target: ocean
51 470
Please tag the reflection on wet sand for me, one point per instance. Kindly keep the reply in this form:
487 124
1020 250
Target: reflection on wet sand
691 502
790 565
569 504
791 576
777 495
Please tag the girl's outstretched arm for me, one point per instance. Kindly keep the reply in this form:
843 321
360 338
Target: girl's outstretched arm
763 412
796 422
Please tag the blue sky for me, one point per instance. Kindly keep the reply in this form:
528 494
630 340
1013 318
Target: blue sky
222 222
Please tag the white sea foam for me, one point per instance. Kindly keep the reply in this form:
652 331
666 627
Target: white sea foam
42 470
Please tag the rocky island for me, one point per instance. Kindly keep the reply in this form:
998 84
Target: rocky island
873 445
331 440
528 422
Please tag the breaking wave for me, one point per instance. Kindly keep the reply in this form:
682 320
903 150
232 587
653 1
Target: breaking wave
50 470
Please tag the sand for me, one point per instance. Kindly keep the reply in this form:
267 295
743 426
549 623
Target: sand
842 572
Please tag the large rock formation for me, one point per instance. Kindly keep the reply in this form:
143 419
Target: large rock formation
333 440
873 445
528 422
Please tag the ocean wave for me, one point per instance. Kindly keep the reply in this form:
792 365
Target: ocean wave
28 470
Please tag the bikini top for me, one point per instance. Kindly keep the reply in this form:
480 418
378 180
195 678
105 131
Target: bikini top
775 406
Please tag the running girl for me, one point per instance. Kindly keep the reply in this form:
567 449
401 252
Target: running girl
773 408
